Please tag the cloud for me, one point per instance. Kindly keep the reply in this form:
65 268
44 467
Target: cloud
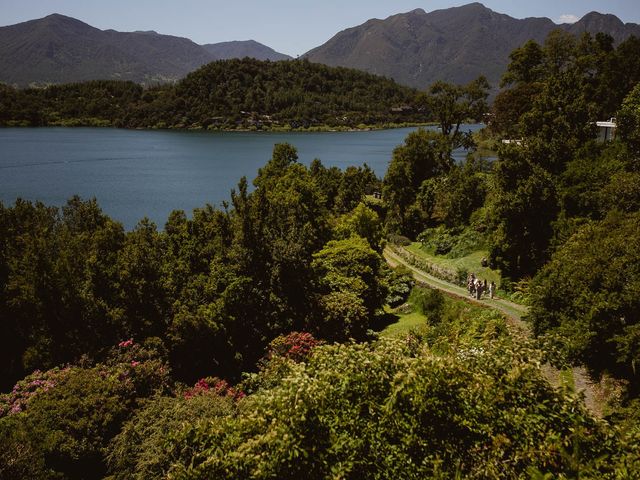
568 18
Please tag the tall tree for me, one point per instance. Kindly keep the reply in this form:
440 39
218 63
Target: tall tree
452 105
423 155
523 206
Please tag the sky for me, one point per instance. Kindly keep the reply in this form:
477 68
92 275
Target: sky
288 26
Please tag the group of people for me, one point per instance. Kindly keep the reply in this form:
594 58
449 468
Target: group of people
478 287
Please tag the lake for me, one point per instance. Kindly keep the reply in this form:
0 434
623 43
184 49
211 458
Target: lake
138 173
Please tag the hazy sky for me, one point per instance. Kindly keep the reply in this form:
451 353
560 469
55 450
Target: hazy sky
289 26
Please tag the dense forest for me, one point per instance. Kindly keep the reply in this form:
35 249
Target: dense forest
243 341
226 94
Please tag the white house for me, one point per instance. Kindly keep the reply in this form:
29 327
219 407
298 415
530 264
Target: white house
607 130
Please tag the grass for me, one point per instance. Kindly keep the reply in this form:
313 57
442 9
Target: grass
405 322
470 263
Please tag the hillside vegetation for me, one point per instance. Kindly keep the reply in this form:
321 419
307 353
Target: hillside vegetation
225 94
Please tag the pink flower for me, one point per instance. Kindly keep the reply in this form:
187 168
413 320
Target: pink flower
126 343
135 363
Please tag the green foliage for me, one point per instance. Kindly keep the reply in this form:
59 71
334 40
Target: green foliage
629 120
452 242
60 279
352 290
72 414
399 282
362 222
423 156
586 299
458 194
429 302
228 94
138 451
523 205
558 90
452 105
396 410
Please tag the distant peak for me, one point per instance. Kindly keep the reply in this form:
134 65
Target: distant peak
417 11
474 6
597 17
60 17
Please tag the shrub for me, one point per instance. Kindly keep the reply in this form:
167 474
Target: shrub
399 282
390 410
429 302
139 451
69 416
398 240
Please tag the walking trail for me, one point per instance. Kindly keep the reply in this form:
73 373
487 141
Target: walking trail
514 314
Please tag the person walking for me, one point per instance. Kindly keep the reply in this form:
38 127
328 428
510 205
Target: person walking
492 289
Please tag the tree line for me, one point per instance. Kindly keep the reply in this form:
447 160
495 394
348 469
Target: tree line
226 94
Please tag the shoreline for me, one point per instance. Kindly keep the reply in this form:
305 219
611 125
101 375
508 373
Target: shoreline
312 129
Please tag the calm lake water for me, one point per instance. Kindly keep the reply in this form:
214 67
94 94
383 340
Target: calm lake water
138 173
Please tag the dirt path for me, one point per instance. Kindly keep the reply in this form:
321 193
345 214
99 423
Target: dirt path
514 314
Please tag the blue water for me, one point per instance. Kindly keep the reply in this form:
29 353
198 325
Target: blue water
138 173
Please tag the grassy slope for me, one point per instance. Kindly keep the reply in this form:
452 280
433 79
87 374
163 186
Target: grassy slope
471 262
404 323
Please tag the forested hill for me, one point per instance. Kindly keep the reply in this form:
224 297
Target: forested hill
226 94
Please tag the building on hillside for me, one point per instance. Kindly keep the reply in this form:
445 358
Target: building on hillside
607 130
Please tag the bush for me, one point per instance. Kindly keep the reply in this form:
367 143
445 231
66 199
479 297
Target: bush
429 302
454 243
398 240
399 282
391 410
138 452
587 297
68 416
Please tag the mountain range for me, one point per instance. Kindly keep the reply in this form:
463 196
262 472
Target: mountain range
60 49
415 48
455 44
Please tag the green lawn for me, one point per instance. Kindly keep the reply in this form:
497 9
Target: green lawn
471 262
403 324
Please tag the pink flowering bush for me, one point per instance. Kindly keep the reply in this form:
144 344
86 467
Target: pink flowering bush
282 354
215 386
28 388
296 346
66 417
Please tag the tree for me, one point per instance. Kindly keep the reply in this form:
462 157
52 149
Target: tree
356 182
451 105
424 155
363 222
526 65
348 273
585 301
629 121
458 194
522 207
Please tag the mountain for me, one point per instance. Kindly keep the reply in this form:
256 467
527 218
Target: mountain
455 44
242 49
60 49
